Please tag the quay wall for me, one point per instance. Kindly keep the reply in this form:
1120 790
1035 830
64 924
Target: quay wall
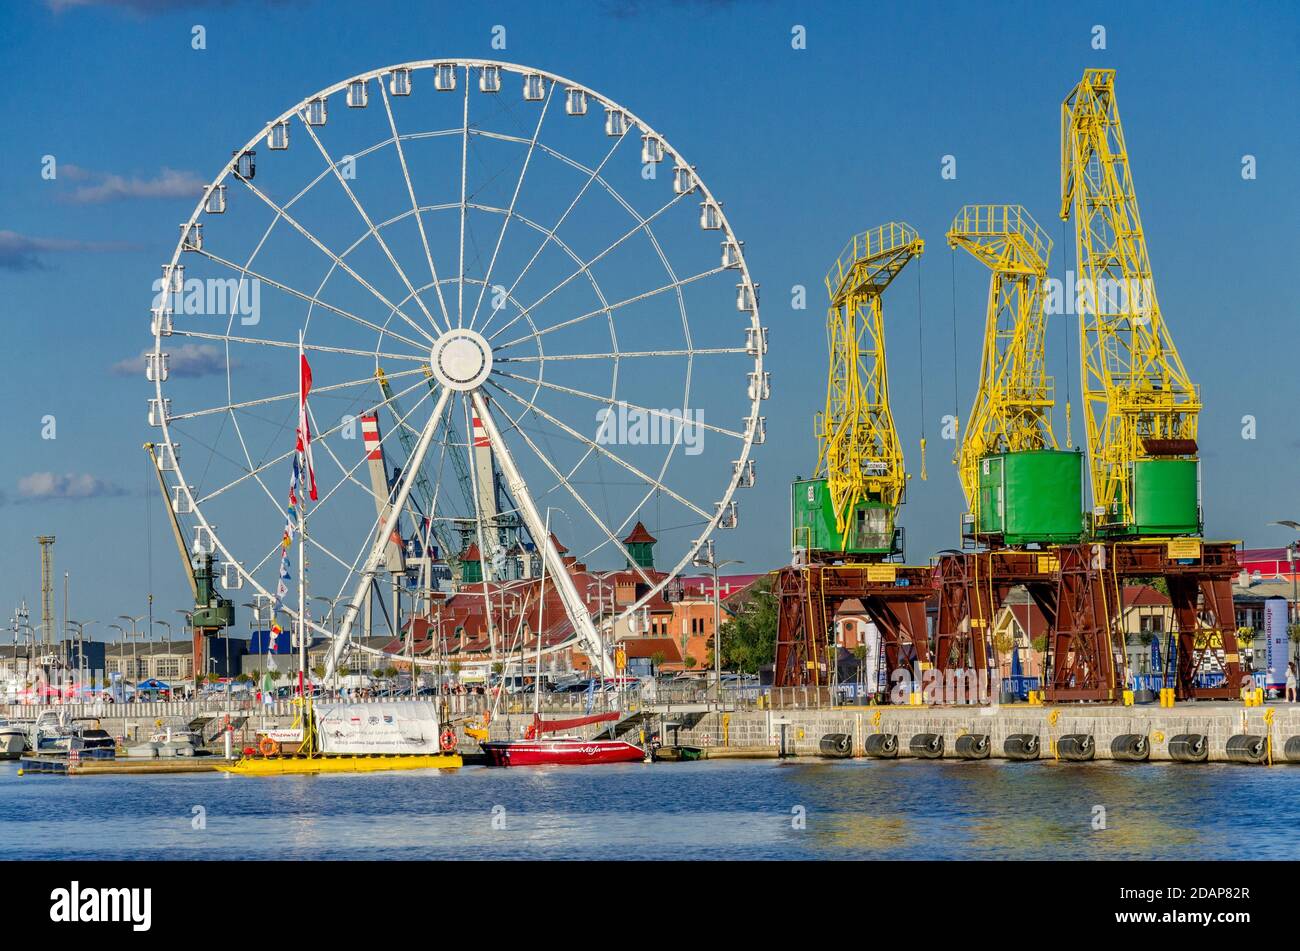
798 732
803 729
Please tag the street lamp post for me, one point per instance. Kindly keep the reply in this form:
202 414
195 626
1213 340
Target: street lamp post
166 624
707 558
81 647
135 662
121 631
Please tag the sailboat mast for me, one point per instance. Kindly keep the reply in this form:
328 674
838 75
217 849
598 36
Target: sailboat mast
541 608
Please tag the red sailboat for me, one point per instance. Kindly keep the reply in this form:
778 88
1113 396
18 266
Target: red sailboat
536 749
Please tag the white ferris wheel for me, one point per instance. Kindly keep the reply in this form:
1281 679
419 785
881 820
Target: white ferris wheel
518 301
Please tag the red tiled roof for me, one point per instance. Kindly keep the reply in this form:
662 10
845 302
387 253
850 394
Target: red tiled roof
1142 596
639 534
1030 618
649 646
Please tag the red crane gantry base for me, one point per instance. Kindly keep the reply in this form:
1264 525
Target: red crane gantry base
1076 587
894 597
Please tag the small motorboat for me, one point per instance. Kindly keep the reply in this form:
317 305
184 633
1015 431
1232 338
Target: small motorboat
54 732
13 740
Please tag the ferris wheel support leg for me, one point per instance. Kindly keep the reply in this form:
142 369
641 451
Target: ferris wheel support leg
588 640
381 540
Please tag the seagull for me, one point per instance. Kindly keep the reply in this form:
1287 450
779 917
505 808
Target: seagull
1287 523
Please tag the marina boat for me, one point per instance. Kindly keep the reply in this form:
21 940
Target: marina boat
54 736
13 740
561 751
536 749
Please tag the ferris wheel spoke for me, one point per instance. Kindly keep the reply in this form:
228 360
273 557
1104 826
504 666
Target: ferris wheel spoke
464 180
671 286
347 269
374 232
318 437
564 427
575 607
332 387
620 354
550 233
642 225
293 345
380 539
577 497
514 199
313 299
679 419
415 207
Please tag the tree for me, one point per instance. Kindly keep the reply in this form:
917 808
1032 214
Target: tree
1151 581
749 637
657 660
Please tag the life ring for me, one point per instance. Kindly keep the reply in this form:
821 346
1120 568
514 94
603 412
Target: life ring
267 746
447 740
530 732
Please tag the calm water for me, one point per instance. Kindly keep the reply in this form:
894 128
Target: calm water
705 810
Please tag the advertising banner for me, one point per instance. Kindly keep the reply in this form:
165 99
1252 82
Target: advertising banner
403 726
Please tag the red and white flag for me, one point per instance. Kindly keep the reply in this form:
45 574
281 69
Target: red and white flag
304 428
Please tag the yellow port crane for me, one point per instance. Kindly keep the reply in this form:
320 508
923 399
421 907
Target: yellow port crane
1020 488
1012 411
851 504
1140 406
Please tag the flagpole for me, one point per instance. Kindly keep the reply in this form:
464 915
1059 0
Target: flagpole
302 538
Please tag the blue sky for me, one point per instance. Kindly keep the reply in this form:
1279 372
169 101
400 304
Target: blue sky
804 147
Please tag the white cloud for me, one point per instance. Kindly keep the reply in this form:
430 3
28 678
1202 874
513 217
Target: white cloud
53 486
168 183
21 252
188 360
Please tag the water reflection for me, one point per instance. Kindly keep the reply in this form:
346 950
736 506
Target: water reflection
709 810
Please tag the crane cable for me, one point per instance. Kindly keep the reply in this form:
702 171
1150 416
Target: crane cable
956 414
920 345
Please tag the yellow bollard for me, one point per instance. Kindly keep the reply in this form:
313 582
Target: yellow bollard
1128 698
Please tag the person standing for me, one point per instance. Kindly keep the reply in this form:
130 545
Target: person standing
1290 682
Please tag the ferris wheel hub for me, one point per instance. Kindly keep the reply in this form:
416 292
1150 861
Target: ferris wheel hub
461 359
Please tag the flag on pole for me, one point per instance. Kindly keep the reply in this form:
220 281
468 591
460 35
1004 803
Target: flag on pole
304 428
